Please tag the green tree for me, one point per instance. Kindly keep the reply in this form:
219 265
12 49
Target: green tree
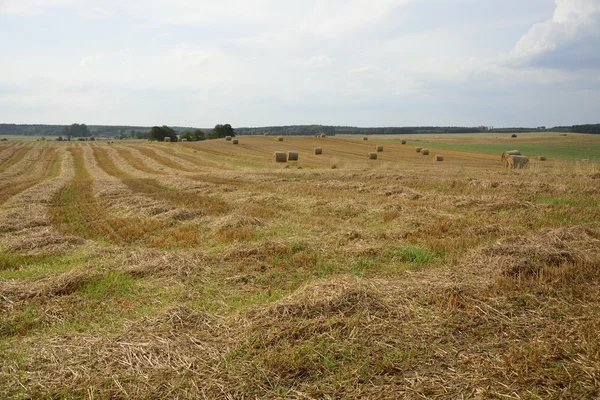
161 132
220 131
80 130
193 136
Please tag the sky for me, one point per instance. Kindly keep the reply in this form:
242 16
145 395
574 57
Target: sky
285 62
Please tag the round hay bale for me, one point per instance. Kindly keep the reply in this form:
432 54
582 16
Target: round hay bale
516 162
280 156
184 140
323 135
373 155
438 158
167 139
280 138
365 138
318 150
509 153
418 149
379 148
542 158
403 142
425 152
235 141
228 138
265 134
292 156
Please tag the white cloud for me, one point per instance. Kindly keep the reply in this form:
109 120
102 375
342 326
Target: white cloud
336 17
319 61
571 39
89 60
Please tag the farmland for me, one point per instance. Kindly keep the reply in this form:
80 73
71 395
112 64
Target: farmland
207 270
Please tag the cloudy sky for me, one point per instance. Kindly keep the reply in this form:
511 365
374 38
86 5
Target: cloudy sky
276 62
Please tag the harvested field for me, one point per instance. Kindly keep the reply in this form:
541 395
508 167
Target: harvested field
206 270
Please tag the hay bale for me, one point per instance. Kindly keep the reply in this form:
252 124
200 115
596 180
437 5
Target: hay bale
292 156
509 153
280 138
228 138
403 142
373 156
167 139
280 156
265 134
318 150
438 158
184 140
516 162
418 149
235 141
323 135
365 138
425 152
379 148
542 158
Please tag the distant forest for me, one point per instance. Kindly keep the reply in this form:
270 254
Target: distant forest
141 132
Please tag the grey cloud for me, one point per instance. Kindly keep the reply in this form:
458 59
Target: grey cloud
570 40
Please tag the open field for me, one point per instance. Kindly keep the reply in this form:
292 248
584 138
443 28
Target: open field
573 146
207 270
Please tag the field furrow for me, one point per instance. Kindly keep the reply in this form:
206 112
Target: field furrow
46 167
13 156
166 160
25 225
159 192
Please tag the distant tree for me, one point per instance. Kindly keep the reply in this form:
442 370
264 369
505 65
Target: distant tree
193 136
80 130
220 131
59 139
161 132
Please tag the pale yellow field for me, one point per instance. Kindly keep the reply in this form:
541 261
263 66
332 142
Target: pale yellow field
207 270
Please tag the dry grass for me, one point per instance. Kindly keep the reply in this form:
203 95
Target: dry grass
199 270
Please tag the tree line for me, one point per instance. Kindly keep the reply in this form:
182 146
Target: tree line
221 130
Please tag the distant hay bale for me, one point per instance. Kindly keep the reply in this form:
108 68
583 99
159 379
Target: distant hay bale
379 148
516 162
564 134
323 135
265 134
365 138
542 158
292 156
184 140
280 156
227 138
403 142
373 155
418 149
280 138
425 152
318 150
167 139
438 158
509 153
235 141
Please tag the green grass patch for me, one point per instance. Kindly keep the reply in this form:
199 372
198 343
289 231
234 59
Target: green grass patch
564 151
113 284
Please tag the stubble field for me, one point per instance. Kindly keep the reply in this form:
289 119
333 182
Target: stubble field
207 270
